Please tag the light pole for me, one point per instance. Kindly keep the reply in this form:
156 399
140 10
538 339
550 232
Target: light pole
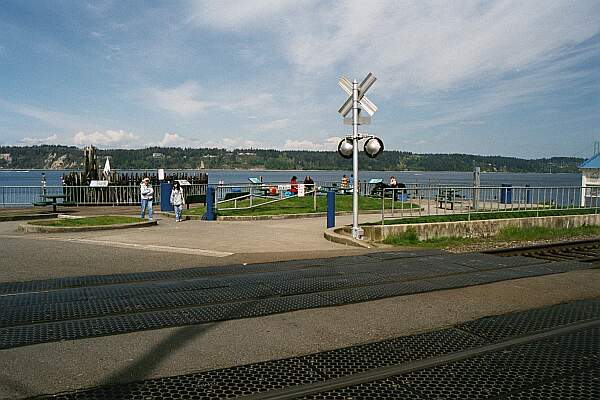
348 147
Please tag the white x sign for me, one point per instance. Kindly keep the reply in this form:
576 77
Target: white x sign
364 102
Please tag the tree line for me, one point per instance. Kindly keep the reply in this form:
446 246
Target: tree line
71 157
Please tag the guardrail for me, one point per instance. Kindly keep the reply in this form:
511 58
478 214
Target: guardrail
23 196
245 197
447 199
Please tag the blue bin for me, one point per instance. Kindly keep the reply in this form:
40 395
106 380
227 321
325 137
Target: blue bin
506 194
528 195
165 196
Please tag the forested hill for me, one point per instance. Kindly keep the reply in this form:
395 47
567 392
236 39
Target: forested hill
70 157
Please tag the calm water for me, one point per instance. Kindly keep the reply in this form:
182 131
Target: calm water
33 177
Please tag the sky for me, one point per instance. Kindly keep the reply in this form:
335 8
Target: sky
514 78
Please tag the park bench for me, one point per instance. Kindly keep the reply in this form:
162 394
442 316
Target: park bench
448 196
42 203
235 195
194 198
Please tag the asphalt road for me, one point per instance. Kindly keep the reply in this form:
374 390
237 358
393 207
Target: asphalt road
55 367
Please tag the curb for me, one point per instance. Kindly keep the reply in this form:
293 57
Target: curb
332 235
284 216
24 217
185 217
27 228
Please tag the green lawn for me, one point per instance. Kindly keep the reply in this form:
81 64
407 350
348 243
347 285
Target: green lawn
409 238
487 215
301 205
89 221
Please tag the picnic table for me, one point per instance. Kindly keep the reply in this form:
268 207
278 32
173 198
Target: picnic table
448 196
52 200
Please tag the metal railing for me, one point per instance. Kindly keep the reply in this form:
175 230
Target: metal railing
23 196
246 197
447 199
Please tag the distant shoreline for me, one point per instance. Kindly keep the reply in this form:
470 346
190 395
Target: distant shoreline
24 170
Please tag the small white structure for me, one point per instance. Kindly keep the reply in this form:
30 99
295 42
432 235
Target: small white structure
590 181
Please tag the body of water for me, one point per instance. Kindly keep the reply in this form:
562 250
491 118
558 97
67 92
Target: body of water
53 177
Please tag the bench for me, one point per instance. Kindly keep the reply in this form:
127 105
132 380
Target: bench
448 196
42 203
194 198
235 195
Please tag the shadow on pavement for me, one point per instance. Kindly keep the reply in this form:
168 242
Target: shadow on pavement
142 368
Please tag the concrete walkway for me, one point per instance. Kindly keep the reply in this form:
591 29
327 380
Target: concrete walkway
167 246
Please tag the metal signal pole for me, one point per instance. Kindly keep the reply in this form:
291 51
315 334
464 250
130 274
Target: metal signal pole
356 231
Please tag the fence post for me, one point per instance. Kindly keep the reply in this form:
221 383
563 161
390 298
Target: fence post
314 187
210 203
330 209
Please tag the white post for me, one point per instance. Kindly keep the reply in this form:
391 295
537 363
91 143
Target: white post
356 231
583 186
476 185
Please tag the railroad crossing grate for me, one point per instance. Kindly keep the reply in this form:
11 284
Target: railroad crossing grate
566 366
526 322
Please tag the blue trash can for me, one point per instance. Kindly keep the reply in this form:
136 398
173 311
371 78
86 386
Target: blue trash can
210 204
165 196
330 209
506 194
528 195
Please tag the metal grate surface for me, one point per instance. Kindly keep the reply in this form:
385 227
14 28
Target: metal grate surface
584 385
561 367
352 360
82 312
518 372
188 273
522 323
255 378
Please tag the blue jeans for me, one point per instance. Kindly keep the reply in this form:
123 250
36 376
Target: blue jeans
146 204
178 210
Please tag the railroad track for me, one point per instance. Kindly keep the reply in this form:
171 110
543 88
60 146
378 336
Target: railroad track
579 250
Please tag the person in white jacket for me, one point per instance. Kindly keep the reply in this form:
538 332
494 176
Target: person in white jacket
177 200
147 194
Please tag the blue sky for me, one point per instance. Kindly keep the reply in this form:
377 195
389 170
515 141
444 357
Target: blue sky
518 78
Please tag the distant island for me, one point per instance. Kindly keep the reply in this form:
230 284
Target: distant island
71 157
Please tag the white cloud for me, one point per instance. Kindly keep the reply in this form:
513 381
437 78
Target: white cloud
275 125
182 100
55 119
172 140
234 14
329 144
109 137
236 143
424 45
52 139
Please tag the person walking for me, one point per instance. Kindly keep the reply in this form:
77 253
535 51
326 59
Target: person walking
177 200
147 194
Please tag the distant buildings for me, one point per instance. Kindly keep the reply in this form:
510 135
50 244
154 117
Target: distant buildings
6 157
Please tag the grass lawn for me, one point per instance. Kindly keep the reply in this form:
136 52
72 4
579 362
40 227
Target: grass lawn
410 238
487 215
89 221
301 205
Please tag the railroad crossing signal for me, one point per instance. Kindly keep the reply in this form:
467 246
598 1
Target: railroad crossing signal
348 147
365 104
